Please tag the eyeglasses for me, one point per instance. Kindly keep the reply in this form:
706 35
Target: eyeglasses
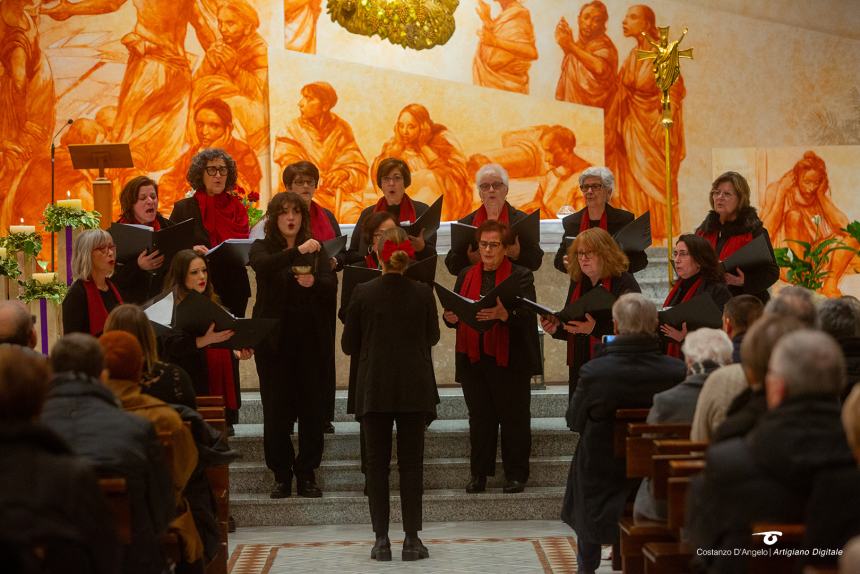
716 194
489 244
304 183
107 248
216 170
591 186
680 254
392 179
584 254
495 186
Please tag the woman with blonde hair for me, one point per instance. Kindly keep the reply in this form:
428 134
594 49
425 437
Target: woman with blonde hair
392 323
93 295
595 260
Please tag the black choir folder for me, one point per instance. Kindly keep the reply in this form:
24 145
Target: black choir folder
635 236
334 246
196 312
131 239
466 309
423 271
231 252
597 303
753 254
700 311
527 229
429 220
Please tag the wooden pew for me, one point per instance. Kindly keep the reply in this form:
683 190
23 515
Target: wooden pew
640 444
170 540
115 491
623 417
212 409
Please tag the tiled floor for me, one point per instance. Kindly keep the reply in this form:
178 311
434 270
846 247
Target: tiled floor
539 547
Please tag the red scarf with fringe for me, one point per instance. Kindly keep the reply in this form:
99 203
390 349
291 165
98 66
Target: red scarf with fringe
223 216
481 215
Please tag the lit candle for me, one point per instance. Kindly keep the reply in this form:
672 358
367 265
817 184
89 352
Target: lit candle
71 204
22 228
45 278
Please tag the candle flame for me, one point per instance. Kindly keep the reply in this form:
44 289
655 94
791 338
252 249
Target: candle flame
22 221
68 194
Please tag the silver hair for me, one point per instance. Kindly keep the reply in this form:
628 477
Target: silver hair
82 251
810 362
839 318
198 166
794 301
605 175
634 314
492 169
708 345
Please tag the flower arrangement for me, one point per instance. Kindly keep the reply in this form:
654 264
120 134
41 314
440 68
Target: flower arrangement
32 290
56 218
251 202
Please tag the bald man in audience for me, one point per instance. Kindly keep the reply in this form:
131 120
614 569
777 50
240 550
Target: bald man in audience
16 324
840 318
769 475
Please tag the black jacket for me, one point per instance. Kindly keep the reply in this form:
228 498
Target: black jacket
171 384
616 219
391 324
833 511
76 316
230 283
851 350
766 477
88 417
630 370
50 499
742 415
352 254
136 285
758 280
531 255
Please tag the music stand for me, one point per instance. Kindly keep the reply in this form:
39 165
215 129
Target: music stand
101 157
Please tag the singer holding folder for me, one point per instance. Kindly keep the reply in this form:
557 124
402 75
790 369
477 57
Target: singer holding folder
495 368
731 224
492 183
595 261
298 286
218 215
92 295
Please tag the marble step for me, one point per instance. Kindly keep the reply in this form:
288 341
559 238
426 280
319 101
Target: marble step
536 503
446 473
444 439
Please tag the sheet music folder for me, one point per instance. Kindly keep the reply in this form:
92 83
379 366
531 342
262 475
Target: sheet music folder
429 220
423 271
700 311
131 239
231 252
527 229
466 309
196 312
753 254
597 301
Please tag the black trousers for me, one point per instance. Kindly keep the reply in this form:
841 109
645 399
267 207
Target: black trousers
410 462
587 555
498 398
283 402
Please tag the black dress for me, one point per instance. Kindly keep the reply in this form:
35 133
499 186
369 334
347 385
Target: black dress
352 254
76 316
616 219
136 285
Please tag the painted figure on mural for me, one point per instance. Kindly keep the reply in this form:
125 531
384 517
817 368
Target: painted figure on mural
588 71
559 185
156 87
435 159
639 163
506 47
236 70
325 139
300 25
790 205
213 128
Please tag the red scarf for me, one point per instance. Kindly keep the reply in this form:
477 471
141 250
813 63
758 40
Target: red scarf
223 216
585 221
155 225
674 347
497 339
321 228
606 283
370 261
731 245
407 208
219 370
481 215
96 309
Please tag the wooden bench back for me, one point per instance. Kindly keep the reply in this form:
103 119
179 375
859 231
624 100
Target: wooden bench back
622 418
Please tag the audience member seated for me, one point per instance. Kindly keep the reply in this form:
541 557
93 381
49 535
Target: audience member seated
704 351
85 413
739 314
769 476
53 517
850 561
17 324
627 374
839 318
797 302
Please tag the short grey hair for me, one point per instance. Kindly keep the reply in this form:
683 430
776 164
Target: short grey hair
810 362
838 317
794 301
708 345
198 166
605 175
492 169
634 314
82 251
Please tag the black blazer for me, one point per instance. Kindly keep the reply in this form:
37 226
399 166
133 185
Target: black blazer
352 254
136 285
531 255
76 316
524 357
616 219
231 284
391 325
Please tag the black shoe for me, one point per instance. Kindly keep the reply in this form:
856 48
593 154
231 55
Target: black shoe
308 488
413 549
381 549
282 490
477 484
513 486
328 428
231 524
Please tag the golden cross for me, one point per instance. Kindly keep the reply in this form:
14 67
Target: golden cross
666 56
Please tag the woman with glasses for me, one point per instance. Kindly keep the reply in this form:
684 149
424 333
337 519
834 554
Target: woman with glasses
92 295
698 273
296 286
492 183
218 215
731 224
595 262
495 368
597 185
392 177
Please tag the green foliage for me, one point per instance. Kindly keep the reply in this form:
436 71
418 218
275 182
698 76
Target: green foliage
33 291
255 214
9 267
56 218
29 243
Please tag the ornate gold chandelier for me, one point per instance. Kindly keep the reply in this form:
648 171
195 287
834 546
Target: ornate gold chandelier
416 24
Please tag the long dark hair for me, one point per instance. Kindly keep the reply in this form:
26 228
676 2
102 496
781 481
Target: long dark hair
174 280
703 254
277 204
